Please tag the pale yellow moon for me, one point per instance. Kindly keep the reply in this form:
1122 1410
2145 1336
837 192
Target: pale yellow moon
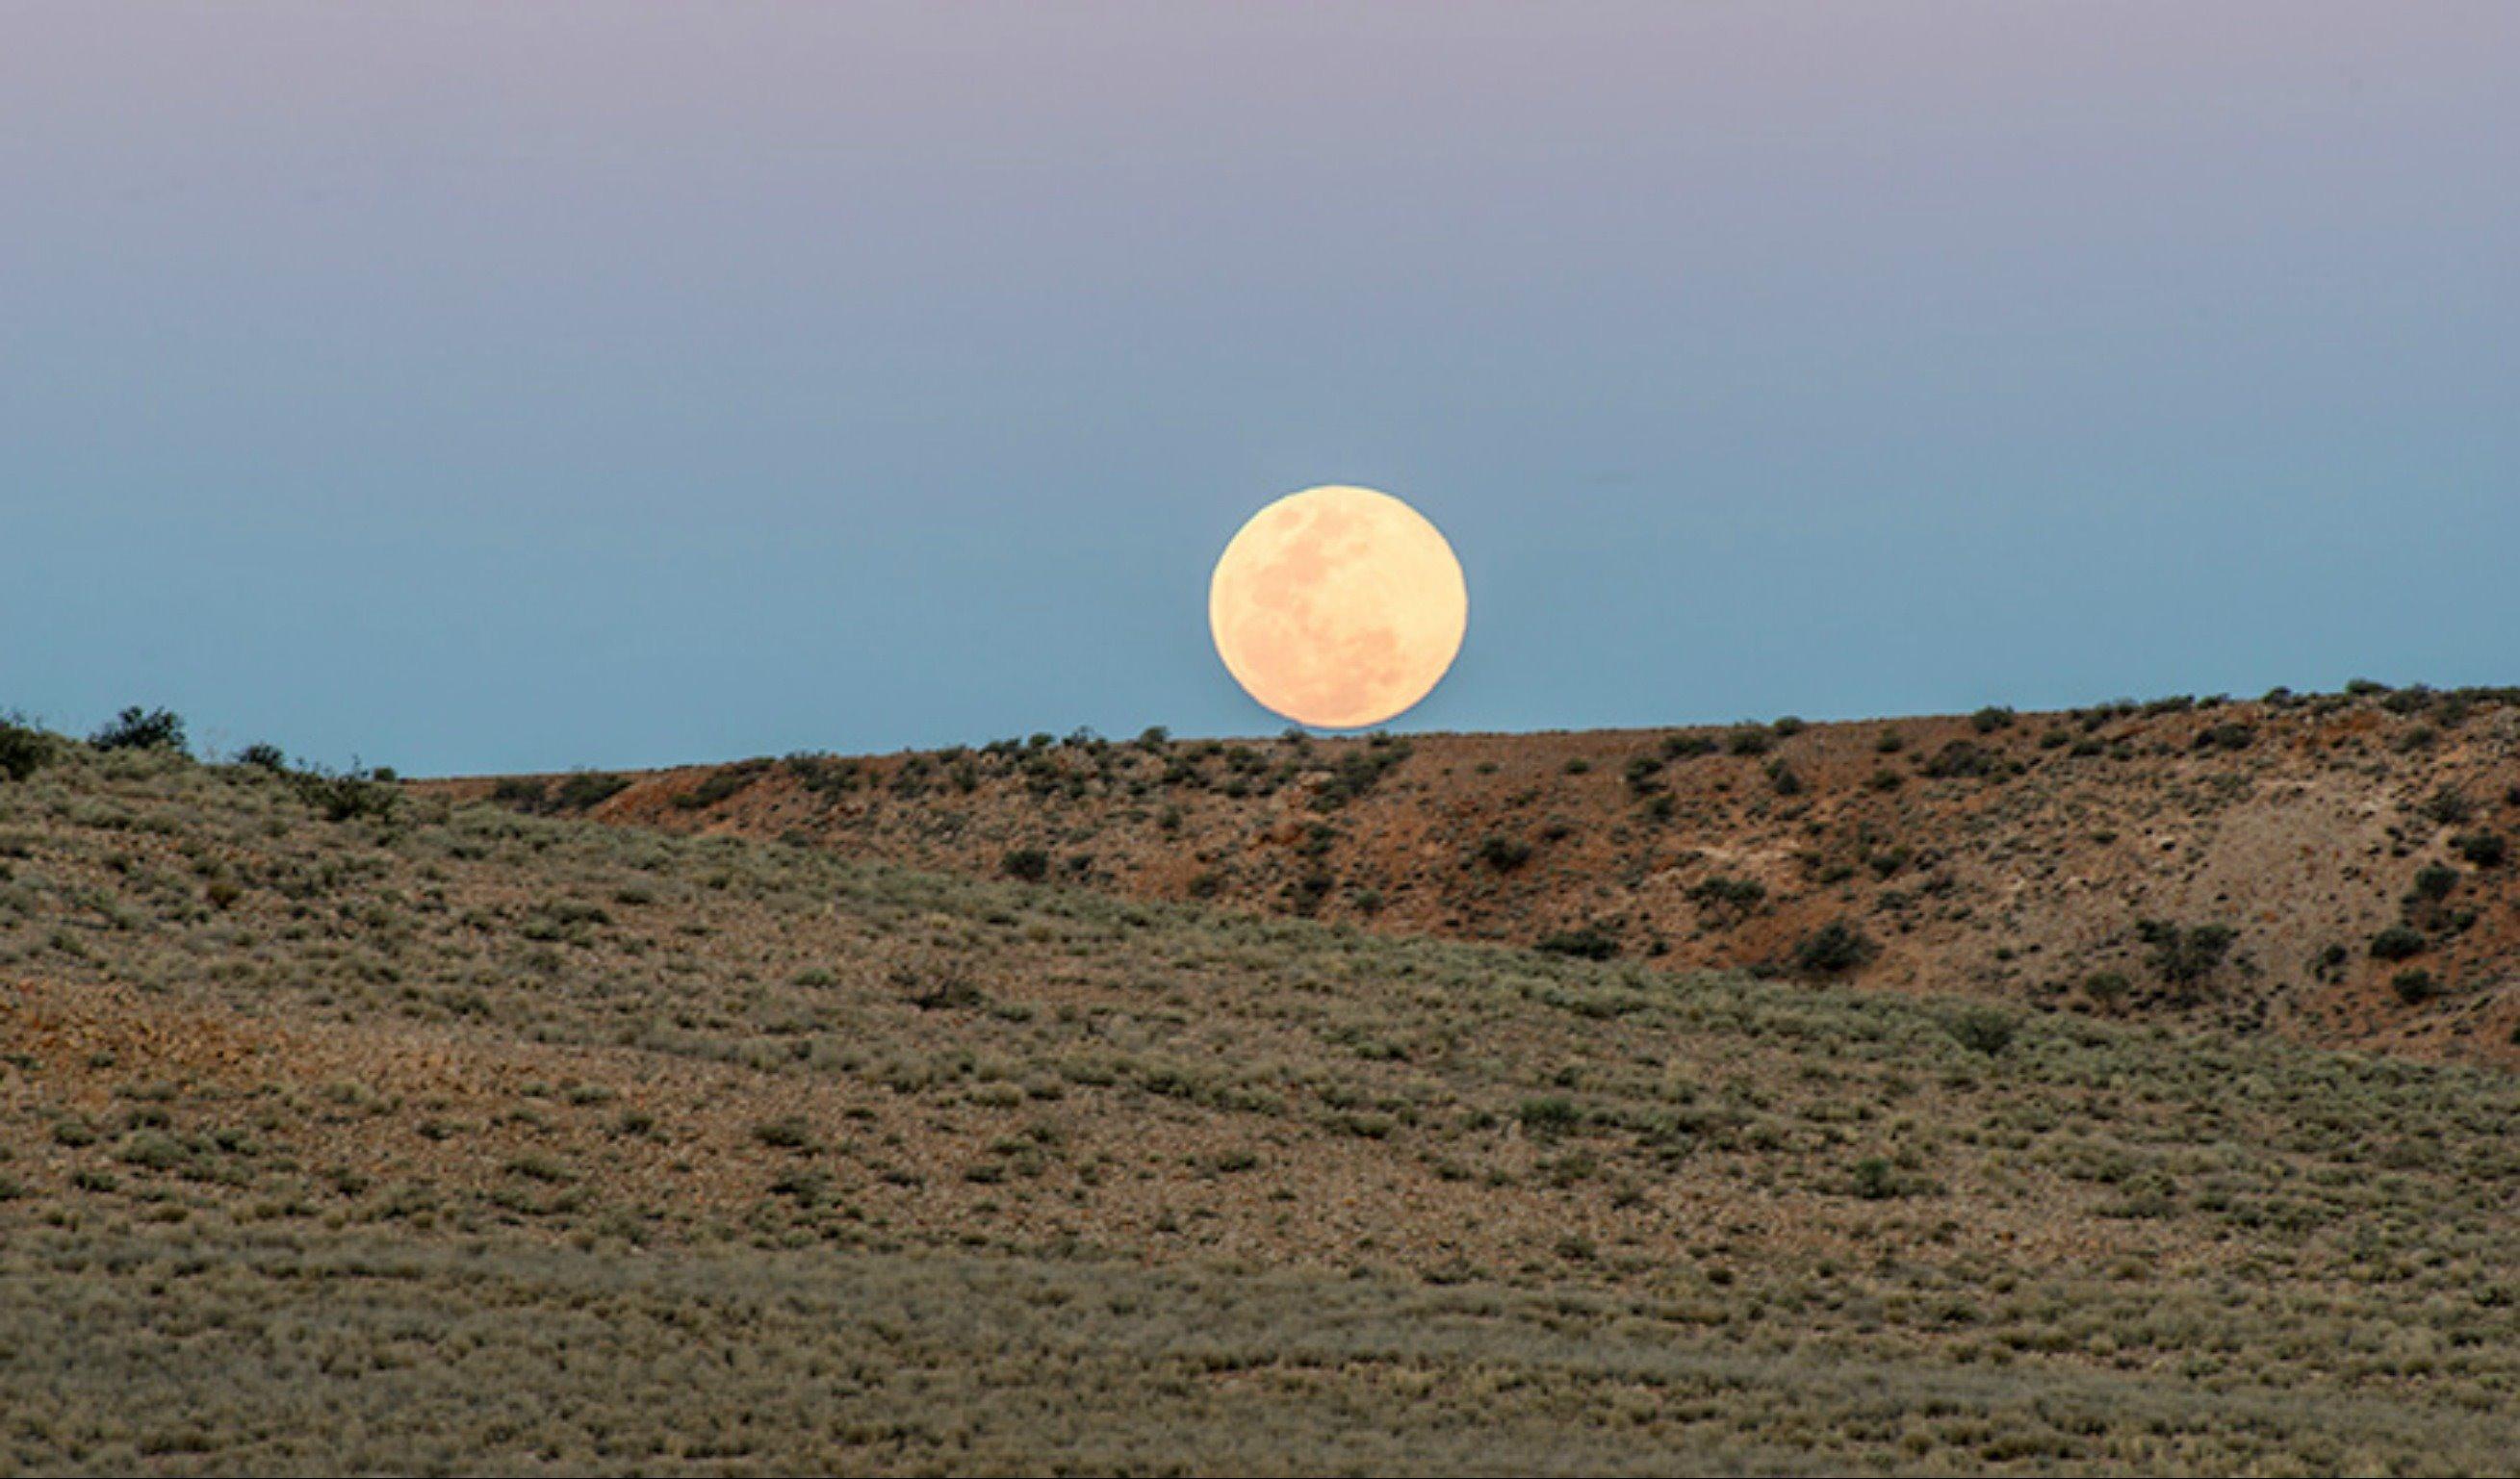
1339 607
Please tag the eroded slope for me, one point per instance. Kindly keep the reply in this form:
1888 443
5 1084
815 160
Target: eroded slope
2351 855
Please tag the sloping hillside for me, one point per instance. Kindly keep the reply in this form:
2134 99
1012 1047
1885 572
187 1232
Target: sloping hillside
2336 869
347 1129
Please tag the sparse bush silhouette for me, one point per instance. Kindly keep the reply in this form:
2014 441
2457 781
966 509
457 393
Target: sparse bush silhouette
2483 849
1875 1179
23 749
1029 864
136 728
1590 943
2448 806
2186 957
1961 759
729 780
831 776
1834 949
1984 1030
789 1133
1358 772
1554 1116
522 793
347 796
1308 893
584 789
1738 895
2396 943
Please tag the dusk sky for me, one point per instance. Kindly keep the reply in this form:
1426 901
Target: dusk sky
486 387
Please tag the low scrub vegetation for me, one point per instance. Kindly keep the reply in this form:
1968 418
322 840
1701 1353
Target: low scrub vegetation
445 1137
23 749
1834 949
137 728
2187 956
1591 942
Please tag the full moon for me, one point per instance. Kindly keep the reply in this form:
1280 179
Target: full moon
1339 607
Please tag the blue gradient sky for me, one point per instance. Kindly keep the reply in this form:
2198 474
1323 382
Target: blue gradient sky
480 386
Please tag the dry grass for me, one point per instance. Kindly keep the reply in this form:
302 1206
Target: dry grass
452 1139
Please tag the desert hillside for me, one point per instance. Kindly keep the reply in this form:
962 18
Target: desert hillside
2333 868
343 1129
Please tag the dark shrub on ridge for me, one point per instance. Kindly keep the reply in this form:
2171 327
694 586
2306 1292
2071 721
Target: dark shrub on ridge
136 728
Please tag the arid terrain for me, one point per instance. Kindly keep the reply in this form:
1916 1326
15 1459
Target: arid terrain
2336 869
1005 1110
